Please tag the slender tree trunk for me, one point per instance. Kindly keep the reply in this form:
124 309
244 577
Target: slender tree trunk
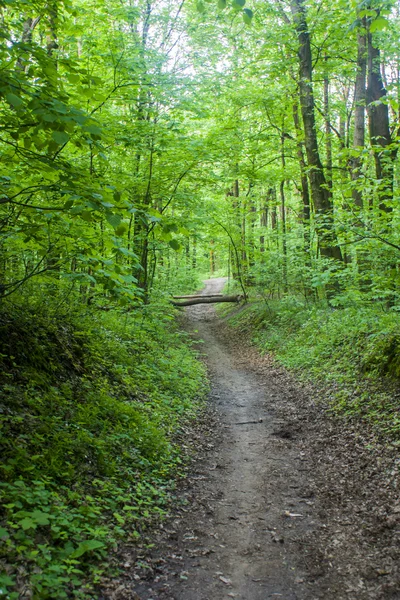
263 223
236 207
187 255
141 228
244 236
272 202
52 43
328 134
212 257
379 131
359 114
305 192
194 253
251 236
283 212
321 193
27 33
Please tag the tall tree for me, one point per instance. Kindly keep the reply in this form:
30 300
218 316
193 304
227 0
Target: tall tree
378 116
321 193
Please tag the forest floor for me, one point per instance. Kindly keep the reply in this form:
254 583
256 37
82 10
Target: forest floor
282 501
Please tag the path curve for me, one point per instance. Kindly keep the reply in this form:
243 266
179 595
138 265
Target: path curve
249 502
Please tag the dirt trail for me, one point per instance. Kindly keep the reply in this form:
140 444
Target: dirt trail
283 501
241 540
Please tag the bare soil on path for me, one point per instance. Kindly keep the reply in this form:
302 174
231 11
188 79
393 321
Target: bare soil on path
282 501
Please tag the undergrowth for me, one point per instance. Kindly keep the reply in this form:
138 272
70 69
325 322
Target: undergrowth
355 351
90 404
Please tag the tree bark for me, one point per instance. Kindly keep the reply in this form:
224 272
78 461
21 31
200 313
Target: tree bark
283 213
328 133
305 191
379 131
212 257
359 113
187 297
321 193
208 300
272 203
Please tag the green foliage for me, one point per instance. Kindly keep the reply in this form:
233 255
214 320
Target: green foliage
90 408
354 352
140 146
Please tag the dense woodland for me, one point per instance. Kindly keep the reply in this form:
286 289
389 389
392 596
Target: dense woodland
145 145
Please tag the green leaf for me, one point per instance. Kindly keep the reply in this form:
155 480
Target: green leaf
121 229
200 6
168 227
221 4
238 4
5 581
48 117
4 533
367 13
60 137
87 546
127 252
86 216
247 16
73 77
93 130
113 219
379 24
14 100
40 517
175 245
27 523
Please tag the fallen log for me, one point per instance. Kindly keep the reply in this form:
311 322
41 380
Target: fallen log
208 300
197 296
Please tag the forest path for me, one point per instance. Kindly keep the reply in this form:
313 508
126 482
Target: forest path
247 502
282 500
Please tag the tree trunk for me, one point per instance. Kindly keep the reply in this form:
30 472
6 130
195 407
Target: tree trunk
378 116
328 134
263 223
243 236
212 257
208 300
51 40
321 194
272 202
251 236
359 113
236 207
283 212
305 192
194 253
187 297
